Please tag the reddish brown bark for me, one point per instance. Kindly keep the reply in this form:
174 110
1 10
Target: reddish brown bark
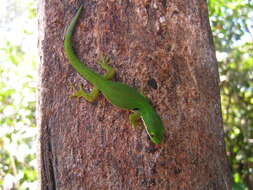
163 48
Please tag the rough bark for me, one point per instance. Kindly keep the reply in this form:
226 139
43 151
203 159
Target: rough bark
163 48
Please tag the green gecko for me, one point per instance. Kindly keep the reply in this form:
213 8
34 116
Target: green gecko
116 93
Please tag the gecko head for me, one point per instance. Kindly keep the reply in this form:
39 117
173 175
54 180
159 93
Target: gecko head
153 125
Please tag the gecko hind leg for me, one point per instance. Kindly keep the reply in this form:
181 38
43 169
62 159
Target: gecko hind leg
104 63
91 96
134 118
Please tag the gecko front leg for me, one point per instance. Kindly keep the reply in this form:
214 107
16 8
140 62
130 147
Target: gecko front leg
134 118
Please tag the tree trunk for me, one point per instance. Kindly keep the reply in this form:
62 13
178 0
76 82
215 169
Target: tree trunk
164 49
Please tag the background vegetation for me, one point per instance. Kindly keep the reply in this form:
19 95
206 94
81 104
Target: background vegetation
232 26
18 60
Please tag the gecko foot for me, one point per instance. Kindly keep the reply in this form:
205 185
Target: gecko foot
91 96
104 63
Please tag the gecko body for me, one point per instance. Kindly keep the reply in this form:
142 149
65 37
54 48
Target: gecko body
118 94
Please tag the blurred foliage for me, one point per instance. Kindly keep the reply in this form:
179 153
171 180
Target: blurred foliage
17 95
232 26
